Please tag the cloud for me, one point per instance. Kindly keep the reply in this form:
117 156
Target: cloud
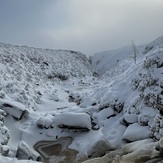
85 25
100 25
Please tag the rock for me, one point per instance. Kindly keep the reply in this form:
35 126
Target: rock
4 134
46 121
97 160
88 101
25 153
106 113
73 121
75 97
111 157
143 120
136 132
4 150
14 109
128 119
98 147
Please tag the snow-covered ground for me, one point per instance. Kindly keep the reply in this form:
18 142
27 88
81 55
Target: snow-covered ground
52 94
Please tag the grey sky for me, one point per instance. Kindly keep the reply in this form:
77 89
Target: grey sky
88 26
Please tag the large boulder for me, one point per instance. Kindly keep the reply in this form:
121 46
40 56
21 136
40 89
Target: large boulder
73 121
98 146
136 132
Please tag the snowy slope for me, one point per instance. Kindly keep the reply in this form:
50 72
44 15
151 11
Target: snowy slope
104 61
135 91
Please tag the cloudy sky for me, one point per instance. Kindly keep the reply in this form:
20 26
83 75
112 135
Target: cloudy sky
88 26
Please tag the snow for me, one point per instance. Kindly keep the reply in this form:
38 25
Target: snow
136 132
49 94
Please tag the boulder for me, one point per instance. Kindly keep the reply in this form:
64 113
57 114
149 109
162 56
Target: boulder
25 153
73 121
128 119
4 149
98 146
14 109
88 101
136 132
106 114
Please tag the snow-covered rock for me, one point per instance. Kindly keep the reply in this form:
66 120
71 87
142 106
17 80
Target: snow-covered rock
75 97
74 121
114 135
139 151
15 109
24 152
4 150
105 114
98 146
45 121
87 101
128 119
136 132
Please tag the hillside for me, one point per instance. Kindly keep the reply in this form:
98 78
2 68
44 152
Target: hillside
23 70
